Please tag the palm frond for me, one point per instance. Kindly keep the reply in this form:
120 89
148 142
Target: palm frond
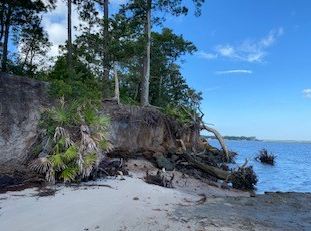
57 162
62 141
89 115
89 163
105 145
70 154
80 161
87 144
60 132
61 115
50 176
101 135
68 142
72 111
104 121
69 173
41 165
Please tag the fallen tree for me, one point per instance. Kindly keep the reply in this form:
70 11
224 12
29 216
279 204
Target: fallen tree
216 172
241 178
203 126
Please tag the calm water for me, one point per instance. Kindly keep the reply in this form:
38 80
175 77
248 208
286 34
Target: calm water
291 172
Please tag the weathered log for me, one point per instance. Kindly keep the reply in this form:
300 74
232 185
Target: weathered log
159 179
216 172
219 138
209 129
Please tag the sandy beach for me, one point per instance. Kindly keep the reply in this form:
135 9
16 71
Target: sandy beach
132 204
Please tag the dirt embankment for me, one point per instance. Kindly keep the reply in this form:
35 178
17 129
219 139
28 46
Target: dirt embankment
20 102
146 130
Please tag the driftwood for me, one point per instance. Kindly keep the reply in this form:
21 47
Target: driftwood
216 133
219 138
218 173
159 179
266 158
203 126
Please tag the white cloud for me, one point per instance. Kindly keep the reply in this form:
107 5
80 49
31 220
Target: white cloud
306 93
212 88
57 33
272 36
250 50
203 55
237 71
55 24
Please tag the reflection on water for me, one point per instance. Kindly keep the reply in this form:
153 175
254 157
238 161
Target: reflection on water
291 171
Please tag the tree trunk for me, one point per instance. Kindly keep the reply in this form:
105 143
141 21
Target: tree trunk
160 88
219 138
218 173
2 8
144 98
209 129
30 50
6 40
69 42
116 84
106 65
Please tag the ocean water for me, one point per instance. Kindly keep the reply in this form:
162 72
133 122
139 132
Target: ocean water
291 172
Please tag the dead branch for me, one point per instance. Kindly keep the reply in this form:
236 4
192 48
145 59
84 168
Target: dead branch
183 146
216 133
218 173
219 137
209 129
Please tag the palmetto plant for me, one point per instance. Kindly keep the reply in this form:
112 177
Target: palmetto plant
80 138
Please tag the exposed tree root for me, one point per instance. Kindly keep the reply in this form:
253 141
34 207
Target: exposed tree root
216 172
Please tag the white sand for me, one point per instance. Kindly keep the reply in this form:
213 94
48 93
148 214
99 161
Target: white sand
94 208
130 205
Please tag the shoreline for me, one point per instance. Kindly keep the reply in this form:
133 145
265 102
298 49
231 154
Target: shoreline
132 204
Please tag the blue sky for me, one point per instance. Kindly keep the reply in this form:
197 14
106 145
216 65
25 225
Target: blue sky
253 63
253 66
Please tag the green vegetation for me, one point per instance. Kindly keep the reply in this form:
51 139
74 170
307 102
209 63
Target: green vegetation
84 70
75 140
248 138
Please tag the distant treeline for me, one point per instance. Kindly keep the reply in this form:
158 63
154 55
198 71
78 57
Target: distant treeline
248 138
